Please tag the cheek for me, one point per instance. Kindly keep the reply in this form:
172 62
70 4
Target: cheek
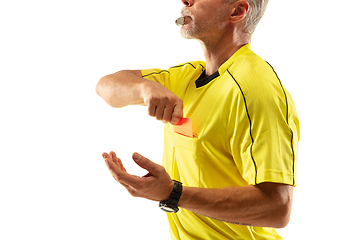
209 14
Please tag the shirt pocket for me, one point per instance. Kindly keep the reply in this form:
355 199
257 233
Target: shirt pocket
187 154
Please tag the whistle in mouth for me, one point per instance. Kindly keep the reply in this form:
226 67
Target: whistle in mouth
180 21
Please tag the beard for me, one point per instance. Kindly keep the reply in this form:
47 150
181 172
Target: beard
193 31
204 27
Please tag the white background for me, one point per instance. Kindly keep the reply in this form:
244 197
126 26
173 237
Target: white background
54 128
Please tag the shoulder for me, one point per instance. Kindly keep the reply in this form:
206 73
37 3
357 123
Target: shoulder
192 64
259 87
188 67
181 69
255 77
250 68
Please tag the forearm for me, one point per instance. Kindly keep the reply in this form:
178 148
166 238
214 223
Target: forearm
250 205
129 88
122 88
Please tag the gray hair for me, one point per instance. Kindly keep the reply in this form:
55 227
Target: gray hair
256 11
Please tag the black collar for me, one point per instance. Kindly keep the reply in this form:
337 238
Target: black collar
203 79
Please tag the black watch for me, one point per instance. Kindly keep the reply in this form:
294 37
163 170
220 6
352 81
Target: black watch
171 204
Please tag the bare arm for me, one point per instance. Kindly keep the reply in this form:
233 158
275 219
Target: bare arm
129 88
122 88
262 205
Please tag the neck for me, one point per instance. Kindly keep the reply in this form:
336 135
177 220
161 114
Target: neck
218 51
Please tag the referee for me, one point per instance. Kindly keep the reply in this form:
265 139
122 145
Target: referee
234 177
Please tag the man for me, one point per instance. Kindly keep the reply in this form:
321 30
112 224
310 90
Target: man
234 178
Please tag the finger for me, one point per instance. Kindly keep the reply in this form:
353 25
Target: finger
110 157
159 111
115 175
151 108
121 176
177 114
168 111
105 155
145 163
113 166
114 158
107 159
117 161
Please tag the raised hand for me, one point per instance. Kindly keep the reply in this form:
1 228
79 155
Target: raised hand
156 185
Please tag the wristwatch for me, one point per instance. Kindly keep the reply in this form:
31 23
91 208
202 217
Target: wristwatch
170 205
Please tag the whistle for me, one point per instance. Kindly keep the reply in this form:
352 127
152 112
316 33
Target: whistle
180 21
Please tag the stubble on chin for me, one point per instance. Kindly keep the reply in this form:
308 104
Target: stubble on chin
188 33
198 30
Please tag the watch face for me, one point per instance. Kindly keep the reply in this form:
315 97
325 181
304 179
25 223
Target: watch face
167 209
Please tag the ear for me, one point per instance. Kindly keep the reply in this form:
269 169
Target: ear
240 10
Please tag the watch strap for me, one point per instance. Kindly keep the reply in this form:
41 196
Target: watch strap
173 200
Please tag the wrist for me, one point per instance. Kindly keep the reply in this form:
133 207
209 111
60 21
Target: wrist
169 191
171 204
142 86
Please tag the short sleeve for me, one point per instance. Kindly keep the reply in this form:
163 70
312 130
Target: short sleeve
175 78
157 75
265 136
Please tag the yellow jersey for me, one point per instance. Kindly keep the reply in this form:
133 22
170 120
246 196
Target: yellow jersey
246 131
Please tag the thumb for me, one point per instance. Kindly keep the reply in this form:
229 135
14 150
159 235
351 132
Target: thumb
145 163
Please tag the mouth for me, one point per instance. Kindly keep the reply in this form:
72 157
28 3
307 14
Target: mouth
186 17
183 20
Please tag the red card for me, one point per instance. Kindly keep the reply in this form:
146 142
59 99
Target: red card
184 127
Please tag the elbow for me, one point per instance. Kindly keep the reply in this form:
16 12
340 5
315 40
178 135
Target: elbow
104 90
278 218
282 221
281 216
280 205
98 88
274 207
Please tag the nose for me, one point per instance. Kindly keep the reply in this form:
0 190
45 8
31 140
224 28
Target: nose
188 3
